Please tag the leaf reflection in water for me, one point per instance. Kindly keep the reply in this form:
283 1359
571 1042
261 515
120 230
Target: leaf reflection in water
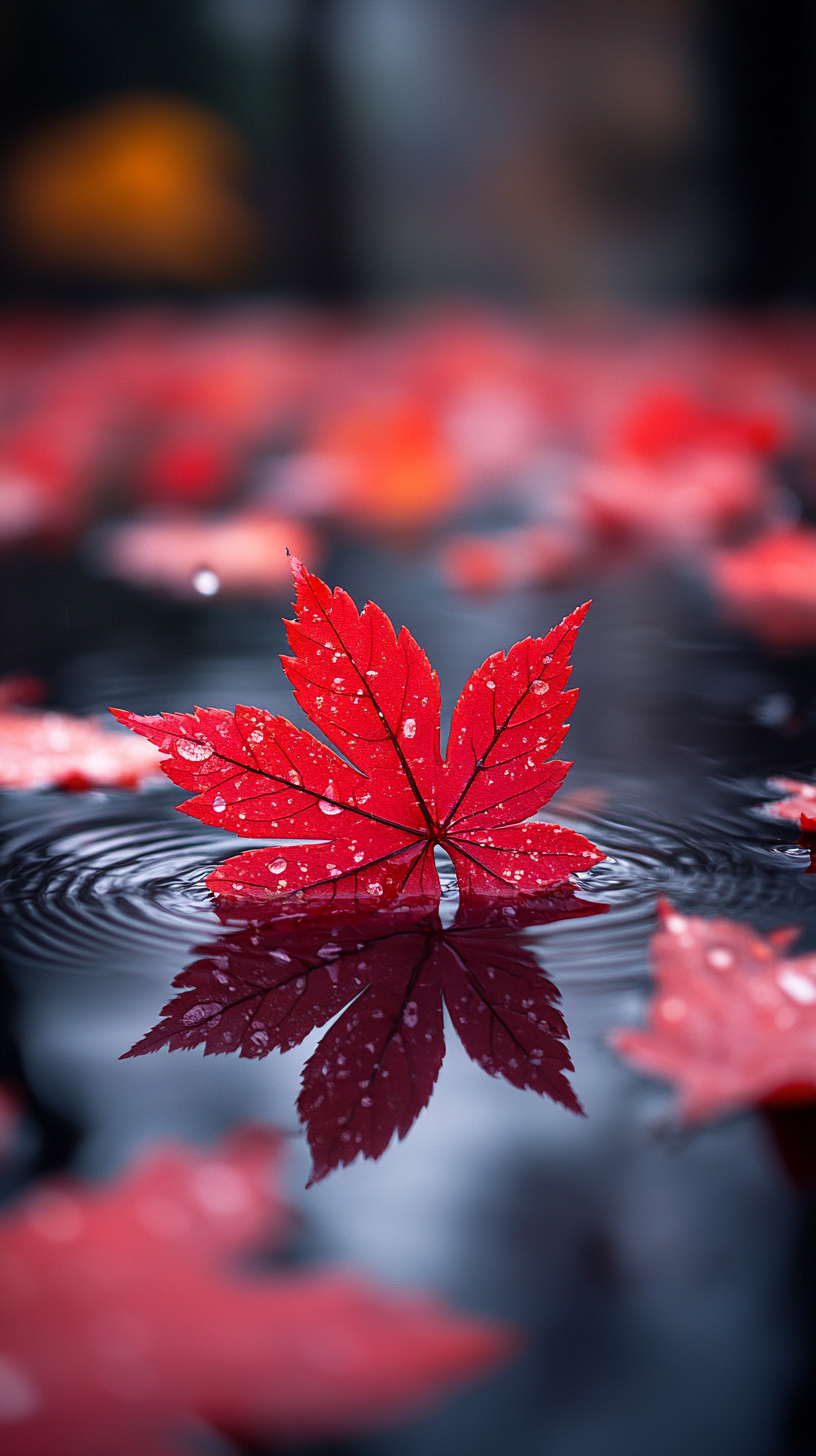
273 982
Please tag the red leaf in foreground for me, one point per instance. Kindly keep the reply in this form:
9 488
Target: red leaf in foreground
382 809
373 1072
54 750
125 1330
733 1021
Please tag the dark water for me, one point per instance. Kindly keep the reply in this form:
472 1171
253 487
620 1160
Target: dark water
655 1273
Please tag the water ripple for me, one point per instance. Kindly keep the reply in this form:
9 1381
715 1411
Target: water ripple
120 885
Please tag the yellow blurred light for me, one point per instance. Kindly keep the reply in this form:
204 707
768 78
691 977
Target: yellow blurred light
142 188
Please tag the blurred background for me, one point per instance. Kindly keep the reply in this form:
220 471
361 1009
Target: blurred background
482 309
572 154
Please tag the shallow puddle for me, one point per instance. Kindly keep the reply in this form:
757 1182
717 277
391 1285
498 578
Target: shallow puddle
653 1270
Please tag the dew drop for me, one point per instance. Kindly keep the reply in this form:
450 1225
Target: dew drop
540 688
219 804
193 750
278 867
411 1014
329 808
720 957
199 1013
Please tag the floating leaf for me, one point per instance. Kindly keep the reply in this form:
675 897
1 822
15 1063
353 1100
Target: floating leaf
733 1020
382 809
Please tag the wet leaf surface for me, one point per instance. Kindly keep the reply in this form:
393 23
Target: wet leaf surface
382 809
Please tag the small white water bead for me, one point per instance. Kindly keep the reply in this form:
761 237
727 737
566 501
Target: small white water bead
798 986
206 582
720 957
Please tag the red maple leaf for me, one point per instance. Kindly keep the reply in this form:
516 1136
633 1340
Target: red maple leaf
372 1074
126 1330
383 808
733 1021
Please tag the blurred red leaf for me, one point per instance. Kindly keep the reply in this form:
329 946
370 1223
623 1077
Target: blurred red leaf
125 1329
799 807
799 804
733 1021
390 462
54 750
525 556
273 983
769 587
242 554
664 422
685 502
382 809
